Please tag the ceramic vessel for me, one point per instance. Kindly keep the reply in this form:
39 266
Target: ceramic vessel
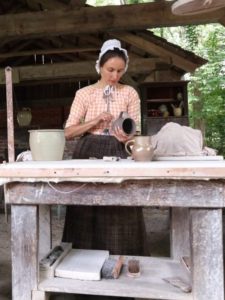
24 117
141 148
125 123
47 144
177 111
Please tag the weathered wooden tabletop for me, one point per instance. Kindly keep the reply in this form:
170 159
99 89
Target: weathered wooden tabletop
115 171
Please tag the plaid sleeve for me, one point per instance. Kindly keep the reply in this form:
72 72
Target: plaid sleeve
134 105
78 109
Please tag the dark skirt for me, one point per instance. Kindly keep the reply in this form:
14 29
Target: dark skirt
97 146
121 230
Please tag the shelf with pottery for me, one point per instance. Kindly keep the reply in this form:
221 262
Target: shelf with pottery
160 100
150 284
166 101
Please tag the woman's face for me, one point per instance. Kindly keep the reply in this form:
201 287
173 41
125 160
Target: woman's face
112 70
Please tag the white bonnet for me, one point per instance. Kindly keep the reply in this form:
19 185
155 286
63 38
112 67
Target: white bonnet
110 45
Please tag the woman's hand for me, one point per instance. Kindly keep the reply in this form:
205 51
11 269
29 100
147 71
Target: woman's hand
104 117
79 129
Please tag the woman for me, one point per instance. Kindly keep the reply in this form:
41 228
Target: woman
117 229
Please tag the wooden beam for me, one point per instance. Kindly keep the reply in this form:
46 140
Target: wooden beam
77 3
152 48
222 21
81 69
47 51
45 4
99 19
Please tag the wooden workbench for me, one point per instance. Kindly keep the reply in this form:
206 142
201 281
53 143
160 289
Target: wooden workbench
195 190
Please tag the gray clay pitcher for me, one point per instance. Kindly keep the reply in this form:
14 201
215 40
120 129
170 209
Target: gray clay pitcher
141 148
125 123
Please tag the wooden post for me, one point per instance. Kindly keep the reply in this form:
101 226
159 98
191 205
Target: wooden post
24 251
207 254
179 233
40 295
10 122
44 230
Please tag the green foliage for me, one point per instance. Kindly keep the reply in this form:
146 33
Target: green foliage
207 84
209 80
191 33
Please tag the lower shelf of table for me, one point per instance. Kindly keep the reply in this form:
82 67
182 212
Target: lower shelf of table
149 285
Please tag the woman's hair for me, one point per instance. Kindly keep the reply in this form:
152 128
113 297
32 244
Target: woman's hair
111 54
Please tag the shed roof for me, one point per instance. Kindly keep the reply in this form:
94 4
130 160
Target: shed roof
60 39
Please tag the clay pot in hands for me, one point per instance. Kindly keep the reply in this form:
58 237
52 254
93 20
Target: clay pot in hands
125 123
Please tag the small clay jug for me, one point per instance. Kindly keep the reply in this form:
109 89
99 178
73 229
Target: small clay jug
125 123
141 148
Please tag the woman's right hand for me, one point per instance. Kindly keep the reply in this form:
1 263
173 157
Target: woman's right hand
104 117
79 129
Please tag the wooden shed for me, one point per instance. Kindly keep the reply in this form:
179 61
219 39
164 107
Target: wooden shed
52 47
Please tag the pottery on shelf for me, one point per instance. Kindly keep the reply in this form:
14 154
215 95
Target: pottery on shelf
24 117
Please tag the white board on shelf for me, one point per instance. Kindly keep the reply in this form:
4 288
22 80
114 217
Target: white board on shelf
83 264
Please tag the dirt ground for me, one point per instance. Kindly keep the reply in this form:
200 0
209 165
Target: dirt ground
157 226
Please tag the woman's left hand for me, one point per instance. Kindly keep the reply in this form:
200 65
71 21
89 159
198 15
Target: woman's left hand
120 135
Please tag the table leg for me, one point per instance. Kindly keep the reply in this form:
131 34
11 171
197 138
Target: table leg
45 244
24 251
207 254
39 295
179 233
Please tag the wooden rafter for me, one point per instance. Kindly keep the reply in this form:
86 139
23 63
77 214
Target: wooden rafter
45 5
77 3
80 69
99 19
47 51
153 48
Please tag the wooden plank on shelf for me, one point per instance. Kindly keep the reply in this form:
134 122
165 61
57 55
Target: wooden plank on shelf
150 284
83 264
